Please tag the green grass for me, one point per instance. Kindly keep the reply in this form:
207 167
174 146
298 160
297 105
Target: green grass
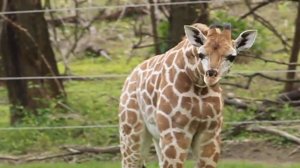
98 66
94 164
96 102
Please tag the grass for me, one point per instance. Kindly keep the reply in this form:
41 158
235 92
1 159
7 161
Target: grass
106 164
98 66
96 102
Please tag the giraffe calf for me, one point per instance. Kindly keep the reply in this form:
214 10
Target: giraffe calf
174 100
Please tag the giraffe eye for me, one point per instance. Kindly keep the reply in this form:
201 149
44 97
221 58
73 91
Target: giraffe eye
230 57
201 56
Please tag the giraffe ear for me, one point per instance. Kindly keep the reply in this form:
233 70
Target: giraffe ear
194 35
245 40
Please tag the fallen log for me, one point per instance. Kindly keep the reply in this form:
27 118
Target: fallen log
69 151
273 131
95 150
236 103
292 97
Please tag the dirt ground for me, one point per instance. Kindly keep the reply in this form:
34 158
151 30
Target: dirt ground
261 151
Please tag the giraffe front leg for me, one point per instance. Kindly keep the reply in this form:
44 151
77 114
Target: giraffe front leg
208 153
158 152
174 147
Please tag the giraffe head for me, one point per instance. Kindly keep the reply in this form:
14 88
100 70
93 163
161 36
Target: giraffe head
216 50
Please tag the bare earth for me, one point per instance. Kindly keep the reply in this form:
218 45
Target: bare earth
260 151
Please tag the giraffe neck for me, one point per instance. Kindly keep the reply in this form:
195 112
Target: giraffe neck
188 56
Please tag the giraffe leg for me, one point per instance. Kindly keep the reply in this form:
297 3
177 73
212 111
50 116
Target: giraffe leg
158 152
174 147
134 149
135 140
207 153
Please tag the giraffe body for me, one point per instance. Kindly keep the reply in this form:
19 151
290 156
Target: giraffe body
175 101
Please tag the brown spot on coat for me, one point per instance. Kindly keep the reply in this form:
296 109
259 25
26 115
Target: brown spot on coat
157 67
186 103
167 139
165 106
196 108
201 163
138 127
171 152
166 164
182 156
208 150
162 122
123 116
150 88
207 111
193 126
183 83
126 128
211 99
213 125
179 120
204 91
147 99
132 104
136 147
179 165
179 61
170 59
131 117
124 98
163 82
131 86
182 141
172 97
216 157
172 73
135 138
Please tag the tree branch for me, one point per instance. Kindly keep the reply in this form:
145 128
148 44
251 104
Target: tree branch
246 54
269 26
256 8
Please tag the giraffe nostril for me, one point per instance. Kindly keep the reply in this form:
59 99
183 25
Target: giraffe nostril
211 73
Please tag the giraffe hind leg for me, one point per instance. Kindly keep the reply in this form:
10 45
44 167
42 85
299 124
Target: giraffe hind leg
135 140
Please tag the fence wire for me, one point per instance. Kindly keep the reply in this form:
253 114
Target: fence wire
89 8
116 76
231 123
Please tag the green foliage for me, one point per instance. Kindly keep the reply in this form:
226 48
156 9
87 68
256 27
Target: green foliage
163 32
286 112
98 66
238 26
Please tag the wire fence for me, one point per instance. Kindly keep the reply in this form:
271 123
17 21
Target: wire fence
232 123
89 8
113 76
116 76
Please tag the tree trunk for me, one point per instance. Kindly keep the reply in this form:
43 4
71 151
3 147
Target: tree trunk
154 27
26 52
181 15
294 53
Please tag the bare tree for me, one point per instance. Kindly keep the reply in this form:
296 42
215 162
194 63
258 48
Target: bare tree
26 52
294 53
154 27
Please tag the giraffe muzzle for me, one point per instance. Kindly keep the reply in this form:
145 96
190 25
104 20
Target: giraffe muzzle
211 73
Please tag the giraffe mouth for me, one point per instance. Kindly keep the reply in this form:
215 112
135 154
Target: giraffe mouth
210 81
